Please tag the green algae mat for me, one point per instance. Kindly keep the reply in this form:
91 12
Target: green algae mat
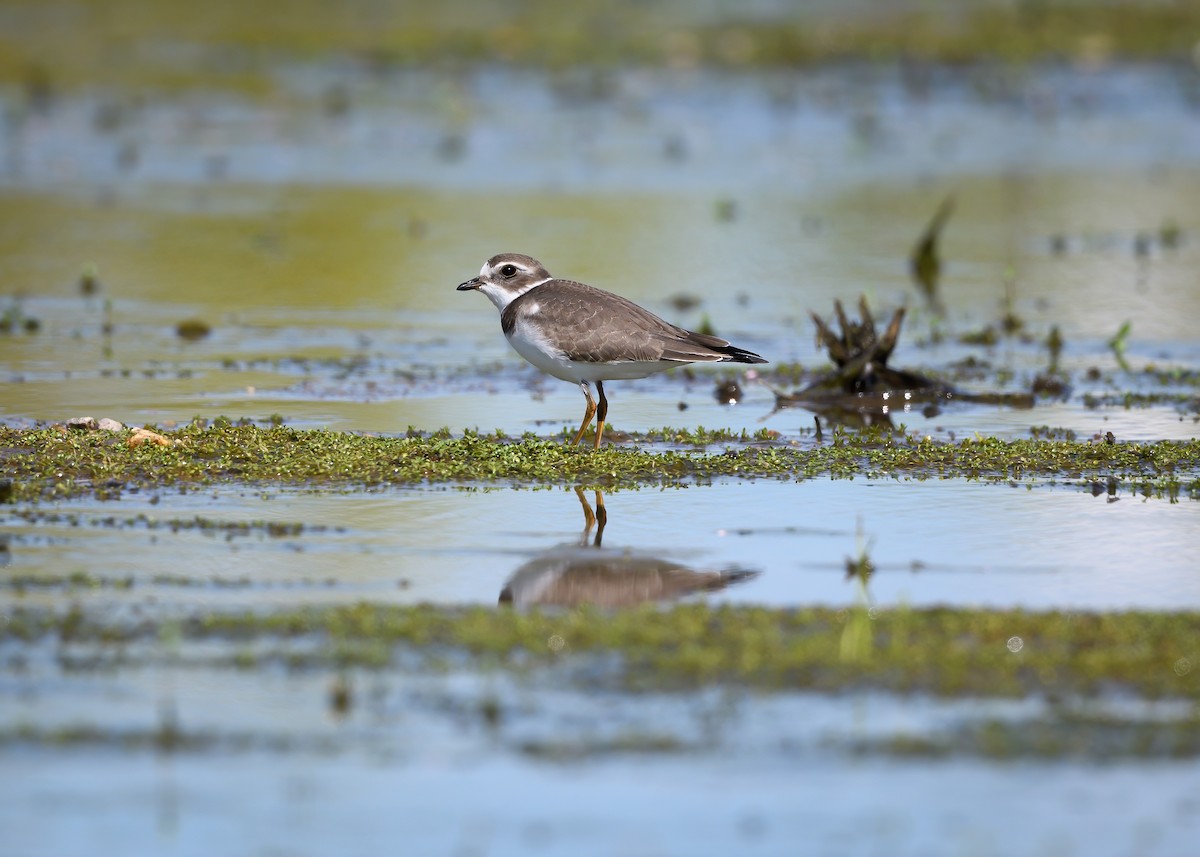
939 651
57 462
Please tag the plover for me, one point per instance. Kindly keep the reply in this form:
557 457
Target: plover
582 334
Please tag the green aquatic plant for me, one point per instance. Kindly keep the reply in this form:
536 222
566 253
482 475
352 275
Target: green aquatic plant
1118 344
857 639
925 261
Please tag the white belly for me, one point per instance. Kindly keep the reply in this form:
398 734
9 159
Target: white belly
537 351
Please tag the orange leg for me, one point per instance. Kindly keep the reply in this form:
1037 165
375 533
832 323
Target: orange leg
601 413
591 410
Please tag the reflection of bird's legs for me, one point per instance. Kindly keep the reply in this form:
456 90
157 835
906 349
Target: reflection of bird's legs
589 519
591 410
601 515
601 413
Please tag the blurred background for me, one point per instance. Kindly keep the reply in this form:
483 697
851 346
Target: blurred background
306 182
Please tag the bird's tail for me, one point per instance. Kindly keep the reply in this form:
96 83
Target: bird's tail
733 354
729 353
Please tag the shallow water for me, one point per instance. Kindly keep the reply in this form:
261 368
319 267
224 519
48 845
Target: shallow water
323 247
323 250
932 542
413 762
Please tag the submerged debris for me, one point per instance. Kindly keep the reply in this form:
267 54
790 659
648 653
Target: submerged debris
863 389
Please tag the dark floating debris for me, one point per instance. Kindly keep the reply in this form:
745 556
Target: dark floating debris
925 263
726 210
728 393
89 281
40 94
1050 385
684 301
862 390
341 697
13 319
337 101
1169 235
192 329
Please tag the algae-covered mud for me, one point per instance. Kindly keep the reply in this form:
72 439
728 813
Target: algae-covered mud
320 573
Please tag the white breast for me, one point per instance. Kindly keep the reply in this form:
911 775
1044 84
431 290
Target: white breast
528 341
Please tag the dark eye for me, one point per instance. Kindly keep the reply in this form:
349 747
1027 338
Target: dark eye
508 270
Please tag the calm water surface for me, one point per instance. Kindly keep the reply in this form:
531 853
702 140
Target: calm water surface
933 542
323 248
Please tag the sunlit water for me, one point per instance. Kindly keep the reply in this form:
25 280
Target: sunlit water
413 762
931 542
324 249
753 776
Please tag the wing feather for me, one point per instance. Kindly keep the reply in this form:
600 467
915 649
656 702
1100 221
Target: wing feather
601 327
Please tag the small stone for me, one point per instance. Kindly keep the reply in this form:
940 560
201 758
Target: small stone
82 423
144 435
107 424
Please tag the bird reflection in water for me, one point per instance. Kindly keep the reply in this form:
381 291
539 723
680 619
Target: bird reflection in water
586 573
